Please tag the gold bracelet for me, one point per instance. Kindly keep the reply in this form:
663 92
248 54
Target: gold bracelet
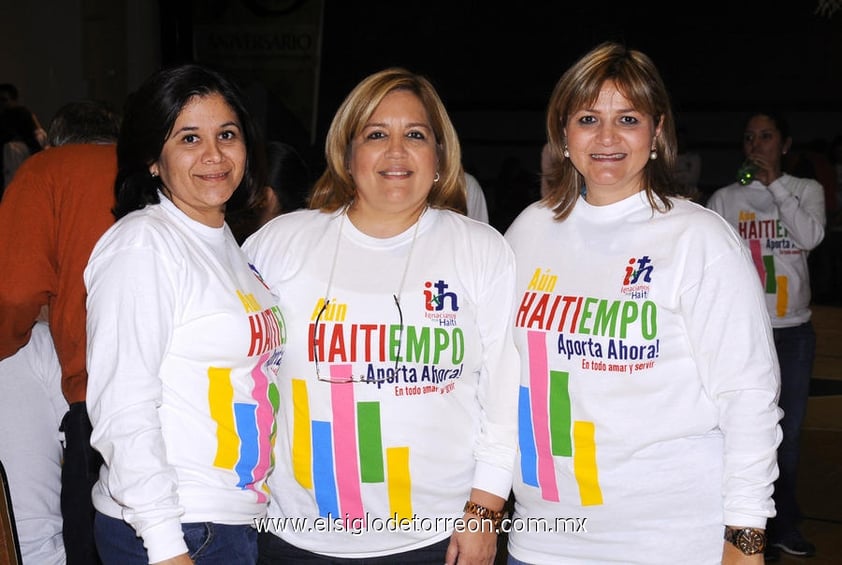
496 516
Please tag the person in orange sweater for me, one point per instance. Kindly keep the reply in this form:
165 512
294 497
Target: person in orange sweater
52 214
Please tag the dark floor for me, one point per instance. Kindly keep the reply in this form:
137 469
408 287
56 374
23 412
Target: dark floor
820 473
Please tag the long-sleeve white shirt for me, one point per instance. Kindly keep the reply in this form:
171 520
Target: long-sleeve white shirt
781 224
183 343
648 415
414 445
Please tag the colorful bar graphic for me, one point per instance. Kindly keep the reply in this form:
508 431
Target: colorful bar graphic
399 482
240 425
537 346
347 452
584 463
345 443
323 477
244 415
560 413
782 296
302 448
220 401
371 442
528 455
771 279
266 399
757 258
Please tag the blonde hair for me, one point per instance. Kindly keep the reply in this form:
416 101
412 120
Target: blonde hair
335 187
637 78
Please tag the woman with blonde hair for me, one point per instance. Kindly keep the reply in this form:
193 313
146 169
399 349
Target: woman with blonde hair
397 426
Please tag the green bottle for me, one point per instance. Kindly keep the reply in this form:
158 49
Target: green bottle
746 172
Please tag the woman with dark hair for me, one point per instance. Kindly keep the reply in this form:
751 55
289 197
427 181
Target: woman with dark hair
184 339
782 219
648 421
148 120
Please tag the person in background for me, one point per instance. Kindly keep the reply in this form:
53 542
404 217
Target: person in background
10 97
688 166
648 375
31 408
184 339
476 206
17 140
288 182
399 385
781 218
54 211
84 121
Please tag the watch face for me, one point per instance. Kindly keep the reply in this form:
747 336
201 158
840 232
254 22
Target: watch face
751 541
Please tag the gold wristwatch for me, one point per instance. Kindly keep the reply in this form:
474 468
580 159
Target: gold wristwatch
747 540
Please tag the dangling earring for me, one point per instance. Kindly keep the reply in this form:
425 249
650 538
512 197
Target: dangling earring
566 153
653 154
436 178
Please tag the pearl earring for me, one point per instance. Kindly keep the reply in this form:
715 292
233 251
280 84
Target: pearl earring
566 153
653 155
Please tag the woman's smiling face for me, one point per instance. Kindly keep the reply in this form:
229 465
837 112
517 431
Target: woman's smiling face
203 160
393 159
609 144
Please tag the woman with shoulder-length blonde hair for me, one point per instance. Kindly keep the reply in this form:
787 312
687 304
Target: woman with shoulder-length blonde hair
336 187
398 413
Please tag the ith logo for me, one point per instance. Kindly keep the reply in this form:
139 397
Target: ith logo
435 301
644 269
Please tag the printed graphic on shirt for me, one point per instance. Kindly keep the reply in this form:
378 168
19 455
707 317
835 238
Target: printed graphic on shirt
246 430
637 279
391 355
578 335
335 457
767 238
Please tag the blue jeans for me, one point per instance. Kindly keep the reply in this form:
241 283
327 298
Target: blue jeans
208 543
275 551
796 347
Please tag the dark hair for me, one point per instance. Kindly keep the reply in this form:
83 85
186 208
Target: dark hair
18 124
8 93
777 117
148 118
288 178
637 78
287 174
84 121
